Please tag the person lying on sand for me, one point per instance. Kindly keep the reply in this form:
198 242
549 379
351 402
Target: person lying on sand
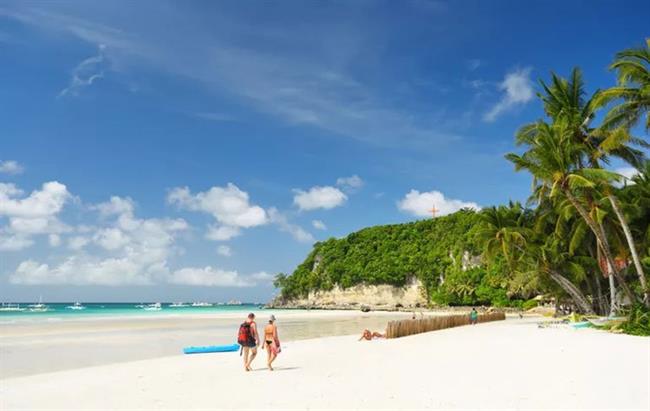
368 335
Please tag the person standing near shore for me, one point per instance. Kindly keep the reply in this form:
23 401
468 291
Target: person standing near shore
271 341
473 316
248 339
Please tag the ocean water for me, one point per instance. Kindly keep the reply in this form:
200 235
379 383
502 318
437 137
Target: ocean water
96 310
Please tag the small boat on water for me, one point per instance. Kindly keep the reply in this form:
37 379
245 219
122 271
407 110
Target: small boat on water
38 307
201 304
153 307
141 305
234 302
8 307
178 305
76 306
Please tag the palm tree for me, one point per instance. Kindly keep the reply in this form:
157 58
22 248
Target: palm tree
553 158
605 180
505 233
633 89
564 101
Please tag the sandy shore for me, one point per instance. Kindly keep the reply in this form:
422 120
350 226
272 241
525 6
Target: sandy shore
35 347
503 365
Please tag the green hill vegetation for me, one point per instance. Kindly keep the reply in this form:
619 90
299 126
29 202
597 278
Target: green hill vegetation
429 250
583 235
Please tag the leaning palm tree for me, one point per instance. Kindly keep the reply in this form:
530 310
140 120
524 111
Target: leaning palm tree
505 233
553 158
564 100
633 89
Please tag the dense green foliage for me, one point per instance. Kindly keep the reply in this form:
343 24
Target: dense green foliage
429 250
583 237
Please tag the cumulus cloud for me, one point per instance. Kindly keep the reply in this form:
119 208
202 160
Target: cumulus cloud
319 197
46 202
54 240
224 250
222 233
115 206
319 225
297 232
420 204
14 242
31 215
518 90
350 183
77 242
208 277
229 205
135 251
11 167
86 73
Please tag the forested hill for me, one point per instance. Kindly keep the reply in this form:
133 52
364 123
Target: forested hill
430 250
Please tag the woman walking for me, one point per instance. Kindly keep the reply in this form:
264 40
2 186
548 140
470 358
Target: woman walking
271 341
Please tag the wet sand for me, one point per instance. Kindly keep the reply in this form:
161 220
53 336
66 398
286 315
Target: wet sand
28 348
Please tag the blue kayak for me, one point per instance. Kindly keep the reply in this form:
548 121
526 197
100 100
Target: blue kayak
211 348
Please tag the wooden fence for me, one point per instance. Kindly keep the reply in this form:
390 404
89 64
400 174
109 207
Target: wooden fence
403 328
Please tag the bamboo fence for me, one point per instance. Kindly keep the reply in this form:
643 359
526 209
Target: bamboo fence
403 328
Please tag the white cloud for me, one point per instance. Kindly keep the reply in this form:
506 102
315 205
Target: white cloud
208 277
54 240
421 204
319 197
77 242
31 215
86 73
319 225
111 238
11 167
297 232
518 90
115 206
40 203
224 250
229 205
628 173
350 183
134 251
82 270
222 233
262 276
14 242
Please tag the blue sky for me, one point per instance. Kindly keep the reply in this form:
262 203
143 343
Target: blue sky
192 150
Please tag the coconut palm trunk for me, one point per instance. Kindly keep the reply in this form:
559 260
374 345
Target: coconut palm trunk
635 255
602 239
578 297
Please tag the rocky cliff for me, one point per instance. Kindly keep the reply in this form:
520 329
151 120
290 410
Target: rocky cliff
377 297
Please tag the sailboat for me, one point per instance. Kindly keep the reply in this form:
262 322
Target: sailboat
76 306
11 307
40 307
178 305
153 307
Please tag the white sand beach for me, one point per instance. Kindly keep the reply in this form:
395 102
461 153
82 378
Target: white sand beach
510 364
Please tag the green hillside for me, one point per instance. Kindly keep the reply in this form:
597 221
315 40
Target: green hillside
430 250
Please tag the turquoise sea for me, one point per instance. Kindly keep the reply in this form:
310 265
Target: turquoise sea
91 310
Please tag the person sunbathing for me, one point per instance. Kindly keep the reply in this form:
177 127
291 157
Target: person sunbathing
368 335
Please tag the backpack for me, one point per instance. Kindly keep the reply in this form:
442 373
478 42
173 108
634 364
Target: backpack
244 336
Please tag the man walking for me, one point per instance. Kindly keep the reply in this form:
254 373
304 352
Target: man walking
249 340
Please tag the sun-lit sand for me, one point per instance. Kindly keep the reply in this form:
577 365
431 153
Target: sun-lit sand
502 365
